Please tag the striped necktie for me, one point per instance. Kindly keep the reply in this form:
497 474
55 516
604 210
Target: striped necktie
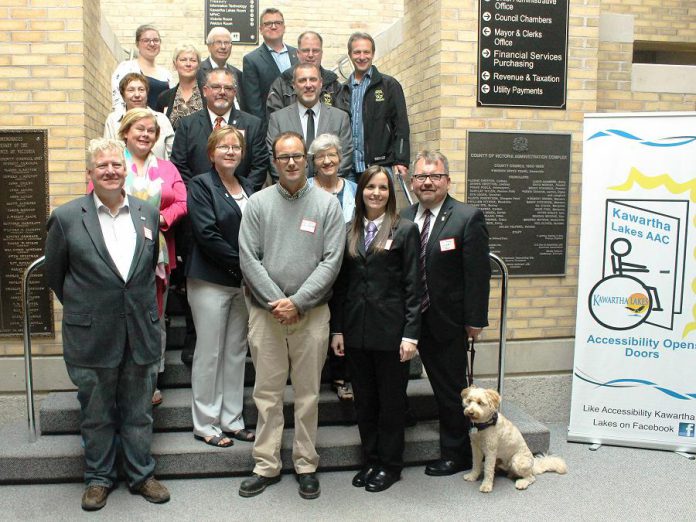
218 122
424 236
370 234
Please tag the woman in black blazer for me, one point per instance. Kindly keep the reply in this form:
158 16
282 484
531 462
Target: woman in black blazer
375 317
216 201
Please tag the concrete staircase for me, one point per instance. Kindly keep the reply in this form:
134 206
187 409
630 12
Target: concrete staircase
57 455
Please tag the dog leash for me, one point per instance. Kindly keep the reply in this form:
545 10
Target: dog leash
471 353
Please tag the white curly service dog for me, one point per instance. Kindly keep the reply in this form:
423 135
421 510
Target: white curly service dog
496 439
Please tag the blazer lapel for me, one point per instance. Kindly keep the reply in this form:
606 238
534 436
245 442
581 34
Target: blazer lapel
361 246
225 195
324 115
139 222
442 218
206 127
266 55
90 219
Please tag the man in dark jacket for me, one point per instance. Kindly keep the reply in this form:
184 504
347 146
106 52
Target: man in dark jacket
219 42
264 64
309 50
377 107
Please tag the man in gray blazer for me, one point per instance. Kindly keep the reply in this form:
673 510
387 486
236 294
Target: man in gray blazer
265 63
101 254
309 118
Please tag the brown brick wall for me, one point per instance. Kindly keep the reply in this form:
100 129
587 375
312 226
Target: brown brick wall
54 74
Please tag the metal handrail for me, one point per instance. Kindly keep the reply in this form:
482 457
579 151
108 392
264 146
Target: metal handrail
503 296
28 375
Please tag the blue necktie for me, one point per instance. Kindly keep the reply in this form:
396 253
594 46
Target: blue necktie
370 234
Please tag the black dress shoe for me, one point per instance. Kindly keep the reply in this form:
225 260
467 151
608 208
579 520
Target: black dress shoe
361 478
256 484
444 467
309 485
381 480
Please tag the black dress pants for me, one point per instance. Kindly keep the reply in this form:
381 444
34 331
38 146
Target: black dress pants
379 385
446 364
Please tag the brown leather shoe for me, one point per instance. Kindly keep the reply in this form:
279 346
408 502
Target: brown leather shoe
94 498
153 491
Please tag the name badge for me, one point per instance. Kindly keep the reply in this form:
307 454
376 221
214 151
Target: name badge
148 233
308 225
387 244
447 244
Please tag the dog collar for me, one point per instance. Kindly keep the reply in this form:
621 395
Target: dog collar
490 422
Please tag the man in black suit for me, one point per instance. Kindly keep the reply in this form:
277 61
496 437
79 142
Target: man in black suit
219 42
101 254
189 152
456 274
264 64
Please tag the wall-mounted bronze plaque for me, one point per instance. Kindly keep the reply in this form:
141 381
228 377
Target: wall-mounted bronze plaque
520 181
23 214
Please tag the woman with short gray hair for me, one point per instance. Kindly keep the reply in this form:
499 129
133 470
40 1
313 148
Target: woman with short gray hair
325 153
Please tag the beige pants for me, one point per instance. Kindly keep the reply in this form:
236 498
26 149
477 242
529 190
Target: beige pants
277 350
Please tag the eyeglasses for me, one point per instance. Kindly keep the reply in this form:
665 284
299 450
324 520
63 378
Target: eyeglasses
103 166
222 43
420 178
273 23
285 158
148 41
323 156
217 87
228 148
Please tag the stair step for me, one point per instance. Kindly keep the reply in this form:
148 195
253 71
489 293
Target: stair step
54 458
60 411
178 375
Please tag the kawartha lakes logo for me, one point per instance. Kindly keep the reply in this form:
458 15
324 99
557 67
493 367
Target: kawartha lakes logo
620 302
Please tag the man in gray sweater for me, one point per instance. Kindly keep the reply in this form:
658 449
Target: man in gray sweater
290 249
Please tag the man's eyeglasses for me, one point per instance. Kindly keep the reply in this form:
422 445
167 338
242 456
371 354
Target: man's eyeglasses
273 23
148 41
222 43
420 178
285 158
228 148
217 87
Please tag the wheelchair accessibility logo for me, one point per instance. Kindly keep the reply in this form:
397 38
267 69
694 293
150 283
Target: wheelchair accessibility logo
620 302
643 278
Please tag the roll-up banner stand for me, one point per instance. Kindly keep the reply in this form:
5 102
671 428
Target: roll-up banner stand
634 375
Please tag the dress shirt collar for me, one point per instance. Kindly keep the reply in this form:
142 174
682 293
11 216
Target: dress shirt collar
214 116
316 108
99 205
434 211
273 51
367 75
297 195
378 222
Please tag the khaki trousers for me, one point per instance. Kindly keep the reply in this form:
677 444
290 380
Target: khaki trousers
278 351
